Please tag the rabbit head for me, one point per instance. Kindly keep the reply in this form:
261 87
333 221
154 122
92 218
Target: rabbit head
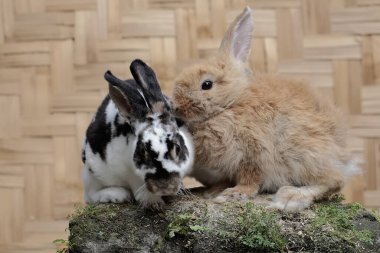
161 154
207 88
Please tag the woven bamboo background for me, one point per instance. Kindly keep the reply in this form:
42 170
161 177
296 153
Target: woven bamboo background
53 54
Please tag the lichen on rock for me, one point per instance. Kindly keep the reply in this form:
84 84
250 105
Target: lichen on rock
192 224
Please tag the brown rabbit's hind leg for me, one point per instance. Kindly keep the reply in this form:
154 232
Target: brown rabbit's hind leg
295 199
247 186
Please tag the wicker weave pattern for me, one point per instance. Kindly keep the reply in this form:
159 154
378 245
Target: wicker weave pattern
53 54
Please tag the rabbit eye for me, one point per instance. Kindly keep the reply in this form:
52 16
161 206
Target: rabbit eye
174 153
177 149
206 85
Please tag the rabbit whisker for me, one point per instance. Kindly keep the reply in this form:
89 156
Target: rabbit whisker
141 189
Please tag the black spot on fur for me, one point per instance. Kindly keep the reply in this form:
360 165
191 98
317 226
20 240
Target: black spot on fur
180 122
139 157
145 155
99 132
169 145
90 170
165 118
84 152
177 140
121 129
184 152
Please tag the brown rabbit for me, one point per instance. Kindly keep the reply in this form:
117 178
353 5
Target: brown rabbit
260 133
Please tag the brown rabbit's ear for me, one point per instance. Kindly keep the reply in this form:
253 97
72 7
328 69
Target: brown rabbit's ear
237 39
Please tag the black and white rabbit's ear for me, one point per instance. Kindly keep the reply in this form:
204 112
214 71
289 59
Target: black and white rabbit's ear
126 97
147 81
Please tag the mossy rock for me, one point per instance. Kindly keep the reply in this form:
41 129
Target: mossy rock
191 224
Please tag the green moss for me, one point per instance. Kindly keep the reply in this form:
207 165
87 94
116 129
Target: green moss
334 223
62 245
158 245
251 227
329 227
198 224
183 224
93 210
260 229
376 214
93 221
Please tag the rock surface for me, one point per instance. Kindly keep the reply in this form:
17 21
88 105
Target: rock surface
191 224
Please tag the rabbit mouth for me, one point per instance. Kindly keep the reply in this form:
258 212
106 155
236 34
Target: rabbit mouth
163 191
164 187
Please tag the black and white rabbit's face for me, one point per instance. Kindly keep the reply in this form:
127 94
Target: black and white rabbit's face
161 155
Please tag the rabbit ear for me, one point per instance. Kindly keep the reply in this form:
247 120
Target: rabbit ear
126 97
147 80
237 39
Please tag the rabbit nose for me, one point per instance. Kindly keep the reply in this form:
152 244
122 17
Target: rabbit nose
162 189
177 110
167 186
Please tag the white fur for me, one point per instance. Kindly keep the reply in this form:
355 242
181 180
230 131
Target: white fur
111 112
295 199
352 167
142 95
159 146
112 194
117 172
146 198
157 138
182 168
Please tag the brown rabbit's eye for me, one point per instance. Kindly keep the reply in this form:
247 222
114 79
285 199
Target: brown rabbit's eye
206 85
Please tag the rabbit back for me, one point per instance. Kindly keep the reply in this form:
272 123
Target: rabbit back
281 127
109 145
301 134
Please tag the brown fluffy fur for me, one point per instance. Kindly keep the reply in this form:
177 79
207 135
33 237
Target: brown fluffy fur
260 132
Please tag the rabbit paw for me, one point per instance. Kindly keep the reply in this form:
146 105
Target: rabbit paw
113 195
153 203
239 192
291 199
148 200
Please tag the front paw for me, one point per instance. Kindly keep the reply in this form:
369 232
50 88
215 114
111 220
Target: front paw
112 195
239 192
153 202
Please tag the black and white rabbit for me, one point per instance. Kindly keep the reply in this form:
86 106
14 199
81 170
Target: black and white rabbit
134 147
